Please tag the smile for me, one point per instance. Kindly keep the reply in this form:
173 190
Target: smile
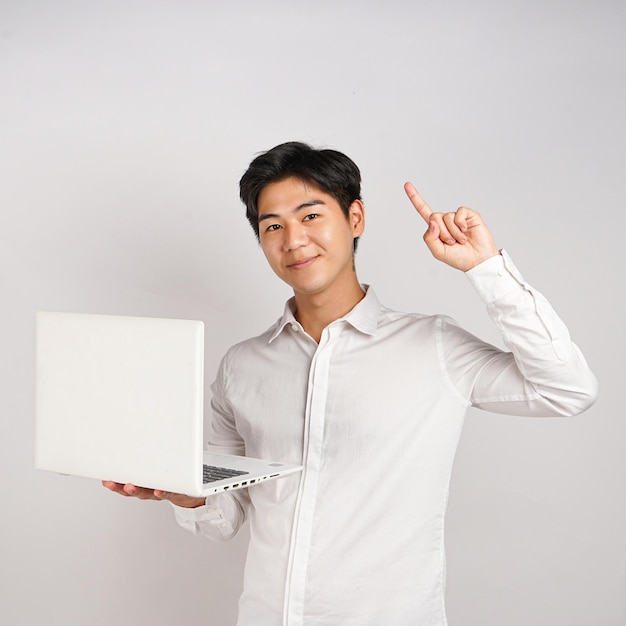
302 263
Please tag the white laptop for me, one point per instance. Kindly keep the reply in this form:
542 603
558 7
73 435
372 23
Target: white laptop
121 398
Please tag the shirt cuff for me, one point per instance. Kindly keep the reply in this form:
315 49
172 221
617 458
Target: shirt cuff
196 514
495 277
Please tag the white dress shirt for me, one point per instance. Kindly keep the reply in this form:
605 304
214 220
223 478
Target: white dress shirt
374 414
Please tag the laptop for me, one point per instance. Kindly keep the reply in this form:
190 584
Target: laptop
121 398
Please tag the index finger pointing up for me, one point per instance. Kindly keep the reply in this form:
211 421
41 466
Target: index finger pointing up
418 202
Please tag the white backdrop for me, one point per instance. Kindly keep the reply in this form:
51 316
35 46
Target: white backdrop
124 128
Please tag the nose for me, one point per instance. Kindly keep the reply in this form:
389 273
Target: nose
295 236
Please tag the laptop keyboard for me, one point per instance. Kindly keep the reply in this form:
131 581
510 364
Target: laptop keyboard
210 473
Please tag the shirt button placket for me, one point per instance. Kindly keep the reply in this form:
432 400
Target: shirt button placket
313 453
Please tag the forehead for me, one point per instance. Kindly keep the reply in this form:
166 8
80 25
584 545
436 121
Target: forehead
289 193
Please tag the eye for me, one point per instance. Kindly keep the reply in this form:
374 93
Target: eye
311 216
272 227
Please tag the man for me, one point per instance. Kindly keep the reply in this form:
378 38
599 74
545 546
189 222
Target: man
370 401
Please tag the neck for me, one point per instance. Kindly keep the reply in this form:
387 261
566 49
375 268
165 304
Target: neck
316 311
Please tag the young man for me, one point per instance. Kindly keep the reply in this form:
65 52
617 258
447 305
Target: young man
369 400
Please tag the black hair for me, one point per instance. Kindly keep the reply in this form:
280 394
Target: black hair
329 170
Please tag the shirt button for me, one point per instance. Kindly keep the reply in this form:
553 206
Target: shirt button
294 328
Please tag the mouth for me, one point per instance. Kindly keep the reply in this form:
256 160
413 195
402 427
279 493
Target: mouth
302 263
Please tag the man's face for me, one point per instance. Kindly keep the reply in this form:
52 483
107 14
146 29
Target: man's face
306 237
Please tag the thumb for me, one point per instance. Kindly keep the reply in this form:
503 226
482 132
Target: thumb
431 238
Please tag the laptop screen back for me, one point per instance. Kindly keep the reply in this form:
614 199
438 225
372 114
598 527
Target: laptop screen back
120 398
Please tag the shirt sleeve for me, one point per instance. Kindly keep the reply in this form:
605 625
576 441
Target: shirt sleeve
544 374
219 519
224 513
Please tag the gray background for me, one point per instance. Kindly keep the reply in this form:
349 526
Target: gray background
124 128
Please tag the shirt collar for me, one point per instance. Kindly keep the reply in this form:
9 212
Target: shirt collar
363 317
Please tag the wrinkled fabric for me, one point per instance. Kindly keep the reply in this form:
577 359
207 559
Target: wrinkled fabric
374 414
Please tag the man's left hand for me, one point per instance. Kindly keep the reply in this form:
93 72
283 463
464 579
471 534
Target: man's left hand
459 239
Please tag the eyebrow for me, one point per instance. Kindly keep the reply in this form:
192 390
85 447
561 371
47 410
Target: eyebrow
304 205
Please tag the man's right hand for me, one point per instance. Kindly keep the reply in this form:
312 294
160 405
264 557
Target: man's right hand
132 491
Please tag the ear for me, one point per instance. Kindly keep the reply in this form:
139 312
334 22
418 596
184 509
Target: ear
357 218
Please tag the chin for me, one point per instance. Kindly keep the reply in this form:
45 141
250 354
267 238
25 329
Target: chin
307 290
